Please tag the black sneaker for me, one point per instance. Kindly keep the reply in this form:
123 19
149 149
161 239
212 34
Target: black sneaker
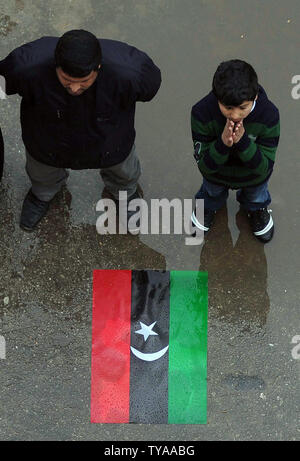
261 223
209 216
33 211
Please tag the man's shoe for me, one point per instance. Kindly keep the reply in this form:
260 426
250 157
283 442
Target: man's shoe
261 223
107 194
33 211
209 216
132 227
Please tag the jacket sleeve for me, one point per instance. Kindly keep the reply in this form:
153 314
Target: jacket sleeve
148 82
14 69
209 151
259 155
143 81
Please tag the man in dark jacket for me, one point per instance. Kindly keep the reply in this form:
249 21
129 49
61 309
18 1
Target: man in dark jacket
77 111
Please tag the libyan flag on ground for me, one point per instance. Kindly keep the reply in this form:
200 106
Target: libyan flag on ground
149 347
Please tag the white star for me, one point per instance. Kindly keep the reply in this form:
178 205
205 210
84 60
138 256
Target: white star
146 330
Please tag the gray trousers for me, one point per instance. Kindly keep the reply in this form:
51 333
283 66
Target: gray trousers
47 180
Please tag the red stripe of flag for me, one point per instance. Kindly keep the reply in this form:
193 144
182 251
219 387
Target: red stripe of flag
111 346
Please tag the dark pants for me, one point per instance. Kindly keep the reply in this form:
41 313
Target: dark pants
251 198
47 180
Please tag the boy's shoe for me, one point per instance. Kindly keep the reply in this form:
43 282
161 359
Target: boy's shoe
261 223
209 216
33 211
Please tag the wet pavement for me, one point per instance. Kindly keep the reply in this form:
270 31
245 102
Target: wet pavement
46 276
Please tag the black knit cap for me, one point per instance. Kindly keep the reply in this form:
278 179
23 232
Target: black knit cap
78 53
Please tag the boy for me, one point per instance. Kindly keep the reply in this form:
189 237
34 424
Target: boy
235 131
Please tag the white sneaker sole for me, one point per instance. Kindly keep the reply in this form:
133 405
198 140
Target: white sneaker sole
198 224
266 229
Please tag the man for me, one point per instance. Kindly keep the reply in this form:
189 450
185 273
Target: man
77 111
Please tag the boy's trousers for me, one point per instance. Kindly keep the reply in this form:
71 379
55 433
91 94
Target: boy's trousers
47 180
251 198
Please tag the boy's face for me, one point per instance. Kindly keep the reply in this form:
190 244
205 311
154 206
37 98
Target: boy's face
237 113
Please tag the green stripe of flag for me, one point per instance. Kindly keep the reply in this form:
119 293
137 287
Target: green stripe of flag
187 348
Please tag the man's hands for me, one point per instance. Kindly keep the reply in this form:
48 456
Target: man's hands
232 132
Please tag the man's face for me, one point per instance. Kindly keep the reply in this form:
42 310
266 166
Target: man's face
237 113
76 86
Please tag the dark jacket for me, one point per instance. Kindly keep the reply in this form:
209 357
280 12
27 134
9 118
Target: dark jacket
93 130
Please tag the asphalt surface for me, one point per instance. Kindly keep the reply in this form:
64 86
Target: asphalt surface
46 276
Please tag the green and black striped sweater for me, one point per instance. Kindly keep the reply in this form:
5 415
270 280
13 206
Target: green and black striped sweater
247 163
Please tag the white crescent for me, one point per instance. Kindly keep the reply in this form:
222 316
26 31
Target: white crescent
149 357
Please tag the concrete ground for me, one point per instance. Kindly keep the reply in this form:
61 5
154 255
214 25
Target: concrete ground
46 276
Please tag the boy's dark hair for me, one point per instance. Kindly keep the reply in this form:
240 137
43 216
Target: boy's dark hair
234 82
78 53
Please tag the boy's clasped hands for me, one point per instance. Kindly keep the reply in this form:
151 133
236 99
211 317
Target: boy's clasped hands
233 132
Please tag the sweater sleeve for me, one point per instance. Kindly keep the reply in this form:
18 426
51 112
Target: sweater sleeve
209 150
259 155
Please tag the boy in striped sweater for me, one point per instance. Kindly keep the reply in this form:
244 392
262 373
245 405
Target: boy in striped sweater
235 131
